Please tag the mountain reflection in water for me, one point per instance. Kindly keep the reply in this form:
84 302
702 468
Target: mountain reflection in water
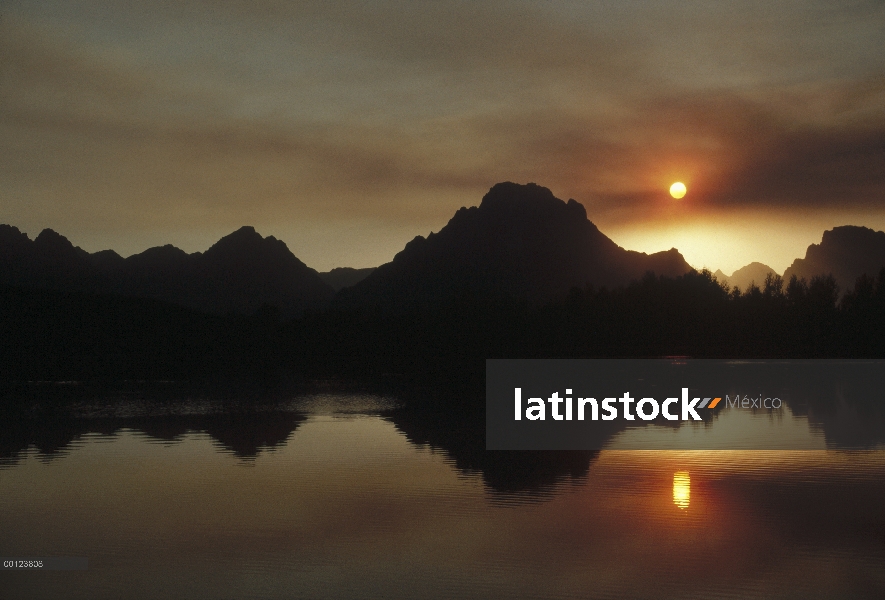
354 495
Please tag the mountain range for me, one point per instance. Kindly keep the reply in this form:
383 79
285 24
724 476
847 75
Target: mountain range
520 242
240 273
845 252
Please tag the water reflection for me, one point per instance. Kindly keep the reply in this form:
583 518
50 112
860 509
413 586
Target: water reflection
431 419
354 496
349 508
244 434
446 420
681 489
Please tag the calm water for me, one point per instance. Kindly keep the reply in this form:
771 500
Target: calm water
339 496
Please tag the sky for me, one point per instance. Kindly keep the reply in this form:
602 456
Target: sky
347 128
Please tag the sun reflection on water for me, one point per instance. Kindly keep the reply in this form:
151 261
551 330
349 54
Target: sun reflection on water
681 489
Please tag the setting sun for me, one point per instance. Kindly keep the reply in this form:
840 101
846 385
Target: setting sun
677 190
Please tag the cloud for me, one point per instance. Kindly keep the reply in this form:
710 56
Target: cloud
151 116
814 148
810 148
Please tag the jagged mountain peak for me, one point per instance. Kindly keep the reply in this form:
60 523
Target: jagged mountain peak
244 235
12 239
530 200
521 241
845 252
851 233
246 241
12 232
240 273
49 239
510 195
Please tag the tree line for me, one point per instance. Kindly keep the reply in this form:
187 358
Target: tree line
54 335
692 315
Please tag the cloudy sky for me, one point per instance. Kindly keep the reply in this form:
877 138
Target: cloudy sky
346 128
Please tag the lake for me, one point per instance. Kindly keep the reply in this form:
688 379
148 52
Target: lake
339 494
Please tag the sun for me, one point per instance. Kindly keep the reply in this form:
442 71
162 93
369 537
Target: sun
677 190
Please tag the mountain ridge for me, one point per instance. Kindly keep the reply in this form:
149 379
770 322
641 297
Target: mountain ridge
521 241
240 273
846 252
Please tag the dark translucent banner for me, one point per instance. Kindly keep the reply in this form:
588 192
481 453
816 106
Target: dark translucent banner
575 404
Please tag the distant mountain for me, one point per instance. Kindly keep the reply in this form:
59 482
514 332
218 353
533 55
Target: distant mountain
343 277
754 272
241 273
844 252
521 241
50 261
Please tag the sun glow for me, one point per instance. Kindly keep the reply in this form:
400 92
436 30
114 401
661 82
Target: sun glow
681 489
677 190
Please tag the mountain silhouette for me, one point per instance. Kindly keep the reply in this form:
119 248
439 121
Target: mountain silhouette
245 434
521 241
50 261
343 277
753 273
846 253
241 273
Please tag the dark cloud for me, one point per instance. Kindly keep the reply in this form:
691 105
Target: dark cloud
150 117
822 147
807 149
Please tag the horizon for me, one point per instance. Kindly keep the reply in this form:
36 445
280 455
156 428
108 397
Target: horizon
726 271
346 130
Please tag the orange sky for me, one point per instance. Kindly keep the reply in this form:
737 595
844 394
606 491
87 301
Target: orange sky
347 128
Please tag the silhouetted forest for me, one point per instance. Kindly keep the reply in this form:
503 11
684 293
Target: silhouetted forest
50 335
691 315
